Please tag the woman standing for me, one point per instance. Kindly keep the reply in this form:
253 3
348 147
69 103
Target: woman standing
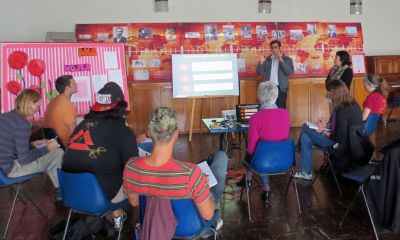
341 70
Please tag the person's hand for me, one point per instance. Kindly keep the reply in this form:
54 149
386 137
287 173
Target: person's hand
39 142
321 123
262 58
279 57
52 144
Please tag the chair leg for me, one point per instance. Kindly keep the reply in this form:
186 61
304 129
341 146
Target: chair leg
122 225
334 176
12 211
33 204
66 226
350 206
297 193
288 184
44 179
369 212
248 198
318 172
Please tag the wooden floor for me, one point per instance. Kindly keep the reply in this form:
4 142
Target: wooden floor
321 205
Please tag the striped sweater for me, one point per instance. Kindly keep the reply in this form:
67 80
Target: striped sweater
172 180
15 132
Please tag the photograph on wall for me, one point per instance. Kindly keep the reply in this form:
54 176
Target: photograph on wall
296 35
311 29
245 31
141 75
278 34
210 32
170 34
145 33
332 31
351 31
139 63
229 32
262 32
120 34
193 35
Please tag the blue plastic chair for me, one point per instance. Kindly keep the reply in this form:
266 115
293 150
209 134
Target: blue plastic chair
361 176
190 223
371 123
273 158
82 193
9 182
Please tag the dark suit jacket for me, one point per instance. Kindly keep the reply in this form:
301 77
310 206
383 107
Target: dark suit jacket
286 69
123 40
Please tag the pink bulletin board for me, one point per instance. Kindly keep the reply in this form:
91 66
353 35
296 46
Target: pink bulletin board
37 66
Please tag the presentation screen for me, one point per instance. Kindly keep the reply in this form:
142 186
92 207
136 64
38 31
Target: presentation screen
195 75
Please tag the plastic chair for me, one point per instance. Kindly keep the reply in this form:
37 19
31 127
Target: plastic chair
82 193
190 223
361 176
371 123
9 182
273 158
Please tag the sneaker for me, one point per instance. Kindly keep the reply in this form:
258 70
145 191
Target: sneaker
265 196
218 224
118 222
303 175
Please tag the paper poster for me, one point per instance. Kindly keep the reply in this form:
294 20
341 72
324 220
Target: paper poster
110 60
358 63
116 76
141 75
84 92
98 81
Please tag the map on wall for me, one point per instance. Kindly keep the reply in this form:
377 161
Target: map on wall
149 46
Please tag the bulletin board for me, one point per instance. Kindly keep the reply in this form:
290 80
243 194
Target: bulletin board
149 46
37 66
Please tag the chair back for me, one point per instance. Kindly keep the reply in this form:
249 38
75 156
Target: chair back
189 221
273 157
371 123
83 193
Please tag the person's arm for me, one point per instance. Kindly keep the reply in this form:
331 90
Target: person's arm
347 77
365 113
128 144
341 130
26 155
200 193
261 66
287 66
253 135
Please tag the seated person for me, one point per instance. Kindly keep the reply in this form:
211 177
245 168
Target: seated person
16 157
345 113
151 175
269 124
101 144
61 112
375 103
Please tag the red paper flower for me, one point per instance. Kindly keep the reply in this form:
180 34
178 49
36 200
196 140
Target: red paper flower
36 67
17 60
14 87
35 87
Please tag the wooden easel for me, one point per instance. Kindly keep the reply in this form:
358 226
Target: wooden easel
194 106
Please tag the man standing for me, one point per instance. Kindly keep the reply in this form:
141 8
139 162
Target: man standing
119 38
61 112
277 68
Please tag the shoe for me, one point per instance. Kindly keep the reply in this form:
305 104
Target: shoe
242 183
218 224
118 222
265 196
303 175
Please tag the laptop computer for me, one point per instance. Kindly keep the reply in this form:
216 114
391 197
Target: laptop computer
244 112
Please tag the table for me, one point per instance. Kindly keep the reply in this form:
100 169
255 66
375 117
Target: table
223 131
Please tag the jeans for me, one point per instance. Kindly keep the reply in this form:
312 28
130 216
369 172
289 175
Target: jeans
308 138
218 163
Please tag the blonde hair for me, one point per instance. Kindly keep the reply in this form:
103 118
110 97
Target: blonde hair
23 99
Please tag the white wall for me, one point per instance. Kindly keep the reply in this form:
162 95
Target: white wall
29 20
